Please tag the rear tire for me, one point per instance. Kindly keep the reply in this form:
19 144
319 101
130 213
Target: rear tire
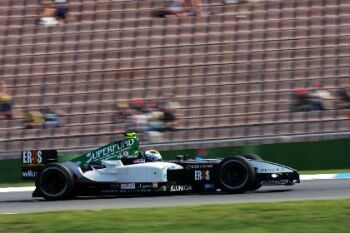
236 175
55 182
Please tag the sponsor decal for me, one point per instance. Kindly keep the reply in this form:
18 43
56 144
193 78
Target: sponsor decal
128 186
109 151
275 182
33 161
117 150
137 161
180 188
108 191
29 174
264 170
201 175
209 186
145 186
198 166
32 157
155 185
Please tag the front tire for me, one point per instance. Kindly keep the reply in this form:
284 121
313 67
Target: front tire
236 175
256 184
55 182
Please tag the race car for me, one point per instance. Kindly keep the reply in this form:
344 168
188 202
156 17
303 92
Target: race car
114 170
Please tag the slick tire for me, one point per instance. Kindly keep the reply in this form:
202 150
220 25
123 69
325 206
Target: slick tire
55 182
252 156
236 175
256 184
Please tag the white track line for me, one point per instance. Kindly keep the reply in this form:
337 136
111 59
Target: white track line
318 177
325 176
16 189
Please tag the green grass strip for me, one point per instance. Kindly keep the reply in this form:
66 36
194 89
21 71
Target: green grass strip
288 217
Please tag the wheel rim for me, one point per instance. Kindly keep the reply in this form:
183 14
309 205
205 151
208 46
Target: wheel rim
54 184
234 174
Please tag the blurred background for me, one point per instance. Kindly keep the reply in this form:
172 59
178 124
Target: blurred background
76 74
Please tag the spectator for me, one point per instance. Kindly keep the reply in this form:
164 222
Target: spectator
155 117
5 102
136 121
138 104
342 97
181 8
169 118
61 12
54 12
301 101
321 98
48 17
51 118
43 118
175 8
150 117
34 119
122 112
197 7
170 108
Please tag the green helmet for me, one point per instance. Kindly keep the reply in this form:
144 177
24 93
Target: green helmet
130 135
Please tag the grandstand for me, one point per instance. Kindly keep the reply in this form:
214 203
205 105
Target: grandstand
233 72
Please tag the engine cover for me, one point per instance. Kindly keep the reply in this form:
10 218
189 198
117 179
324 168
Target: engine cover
136 173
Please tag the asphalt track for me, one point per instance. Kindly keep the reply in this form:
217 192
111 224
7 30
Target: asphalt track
22 202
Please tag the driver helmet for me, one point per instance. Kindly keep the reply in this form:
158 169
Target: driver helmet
130 135
152 155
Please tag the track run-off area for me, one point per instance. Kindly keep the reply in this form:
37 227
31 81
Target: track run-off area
20 201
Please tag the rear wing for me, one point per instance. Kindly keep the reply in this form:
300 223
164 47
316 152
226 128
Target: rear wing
33 161
126 148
